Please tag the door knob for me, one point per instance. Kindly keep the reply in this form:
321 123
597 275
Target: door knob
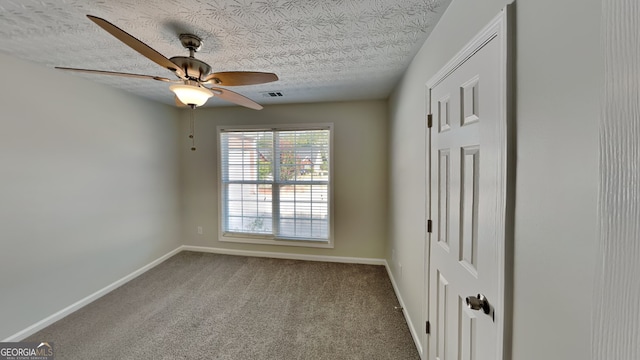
479 302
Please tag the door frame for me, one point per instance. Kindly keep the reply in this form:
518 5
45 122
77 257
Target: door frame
502 27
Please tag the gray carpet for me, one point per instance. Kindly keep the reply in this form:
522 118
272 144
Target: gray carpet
208 306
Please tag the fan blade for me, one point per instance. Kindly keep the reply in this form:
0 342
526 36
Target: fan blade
138 45
236 98
236 78
101 72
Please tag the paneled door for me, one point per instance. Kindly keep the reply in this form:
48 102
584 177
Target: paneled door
468 200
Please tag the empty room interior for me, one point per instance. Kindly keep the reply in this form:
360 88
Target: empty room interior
296 201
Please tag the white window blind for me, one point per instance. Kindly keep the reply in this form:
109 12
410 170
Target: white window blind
275 183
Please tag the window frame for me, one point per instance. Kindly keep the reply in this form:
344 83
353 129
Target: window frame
249 238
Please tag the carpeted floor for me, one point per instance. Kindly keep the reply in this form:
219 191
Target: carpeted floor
208 306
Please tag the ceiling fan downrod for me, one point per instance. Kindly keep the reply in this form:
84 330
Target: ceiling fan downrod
191 42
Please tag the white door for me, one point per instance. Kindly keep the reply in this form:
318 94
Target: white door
468 154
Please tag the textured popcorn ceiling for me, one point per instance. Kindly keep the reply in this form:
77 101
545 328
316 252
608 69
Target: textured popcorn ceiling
322 50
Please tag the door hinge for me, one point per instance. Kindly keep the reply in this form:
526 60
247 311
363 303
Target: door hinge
429 121
428 328
429 226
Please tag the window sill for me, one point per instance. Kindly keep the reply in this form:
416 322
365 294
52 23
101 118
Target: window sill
247 239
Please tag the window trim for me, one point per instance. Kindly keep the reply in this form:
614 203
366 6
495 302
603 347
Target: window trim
249 238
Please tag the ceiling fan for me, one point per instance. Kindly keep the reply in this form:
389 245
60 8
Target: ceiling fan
193 74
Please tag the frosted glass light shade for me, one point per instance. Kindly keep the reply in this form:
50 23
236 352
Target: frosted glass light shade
191 95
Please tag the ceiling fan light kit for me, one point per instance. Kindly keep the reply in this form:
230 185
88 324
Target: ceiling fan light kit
194 73
191 95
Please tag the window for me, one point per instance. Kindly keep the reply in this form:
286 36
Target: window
275 185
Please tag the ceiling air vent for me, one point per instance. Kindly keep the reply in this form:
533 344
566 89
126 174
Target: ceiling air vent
273 94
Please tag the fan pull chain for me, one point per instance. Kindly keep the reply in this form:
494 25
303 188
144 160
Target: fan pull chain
192 129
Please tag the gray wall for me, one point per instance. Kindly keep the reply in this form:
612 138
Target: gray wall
558 62
616 332
89 193
360 167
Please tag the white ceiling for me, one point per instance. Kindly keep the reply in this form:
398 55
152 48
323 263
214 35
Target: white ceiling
322 50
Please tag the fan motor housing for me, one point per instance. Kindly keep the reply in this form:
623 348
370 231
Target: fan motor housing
195 69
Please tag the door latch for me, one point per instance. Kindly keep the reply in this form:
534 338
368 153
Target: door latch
479 302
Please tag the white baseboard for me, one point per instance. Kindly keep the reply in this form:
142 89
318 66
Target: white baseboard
87 300
277 255
414 332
